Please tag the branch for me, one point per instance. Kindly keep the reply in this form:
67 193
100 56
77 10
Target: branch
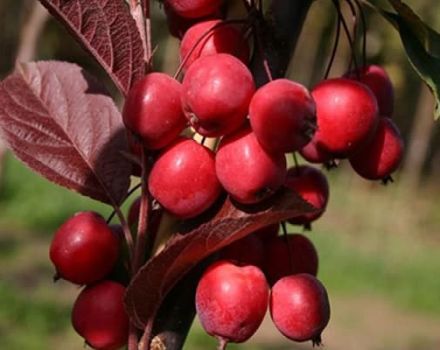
177 313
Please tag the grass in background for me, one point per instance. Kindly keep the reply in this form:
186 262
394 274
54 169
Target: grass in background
28 322
30 202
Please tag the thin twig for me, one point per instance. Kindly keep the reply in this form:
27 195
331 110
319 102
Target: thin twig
133 341
134 189
335 48
261 50
347 33
364 32
289 248
144 343
141 238
127 233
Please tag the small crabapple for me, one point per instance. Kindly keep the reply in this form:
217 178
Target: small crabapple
246 170
216 93
283 115
382 155
194 8
347 116
231 301
300 308
183 179
178 25
245 251
218 37
312 186
153 110
98 315
288 255
84 249
379 82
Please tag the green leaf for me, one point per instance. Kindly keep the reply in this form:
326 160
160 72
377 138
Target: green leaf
421 43
427 36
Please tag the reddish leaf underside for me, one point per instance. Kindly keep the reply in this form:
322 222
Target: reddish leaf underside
107 31
156 278
64 126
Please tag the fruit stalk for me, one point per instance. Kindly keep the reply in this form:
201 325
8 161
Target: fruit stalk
141 237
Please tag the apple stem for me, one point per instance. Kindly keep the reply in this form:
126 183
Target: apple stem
222 343
334 50
144 343
134 189
347 33
133 337
127 234
364 32
144 211
289 250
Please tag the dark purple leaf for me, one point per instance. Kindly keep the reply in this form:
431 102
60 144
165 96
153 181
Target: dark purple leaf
63 125
156 278
106 30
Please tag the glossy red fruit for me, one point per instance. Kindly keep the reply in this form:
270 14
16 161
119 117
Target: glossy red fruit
379 82
300 308
217 90
245 251
84 249
314 154
99 316
178 25
153 110
247 171
382 155
183 179
231 301
312 186
218 37
283 116
347 116
289 255
194 8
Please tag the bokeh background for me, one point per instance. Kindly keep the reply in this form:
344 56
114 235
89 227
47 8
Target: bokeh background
379 246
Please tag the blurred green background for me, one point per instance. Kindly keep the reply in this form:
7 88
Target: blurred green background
379 246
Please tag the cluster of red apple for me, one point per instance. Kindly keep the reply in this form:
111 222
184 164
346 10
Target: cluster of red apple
261 270
84 251
347 117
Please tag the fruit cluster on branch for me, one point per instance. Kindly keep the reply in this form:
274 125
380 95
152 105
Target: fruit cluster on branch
209 146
